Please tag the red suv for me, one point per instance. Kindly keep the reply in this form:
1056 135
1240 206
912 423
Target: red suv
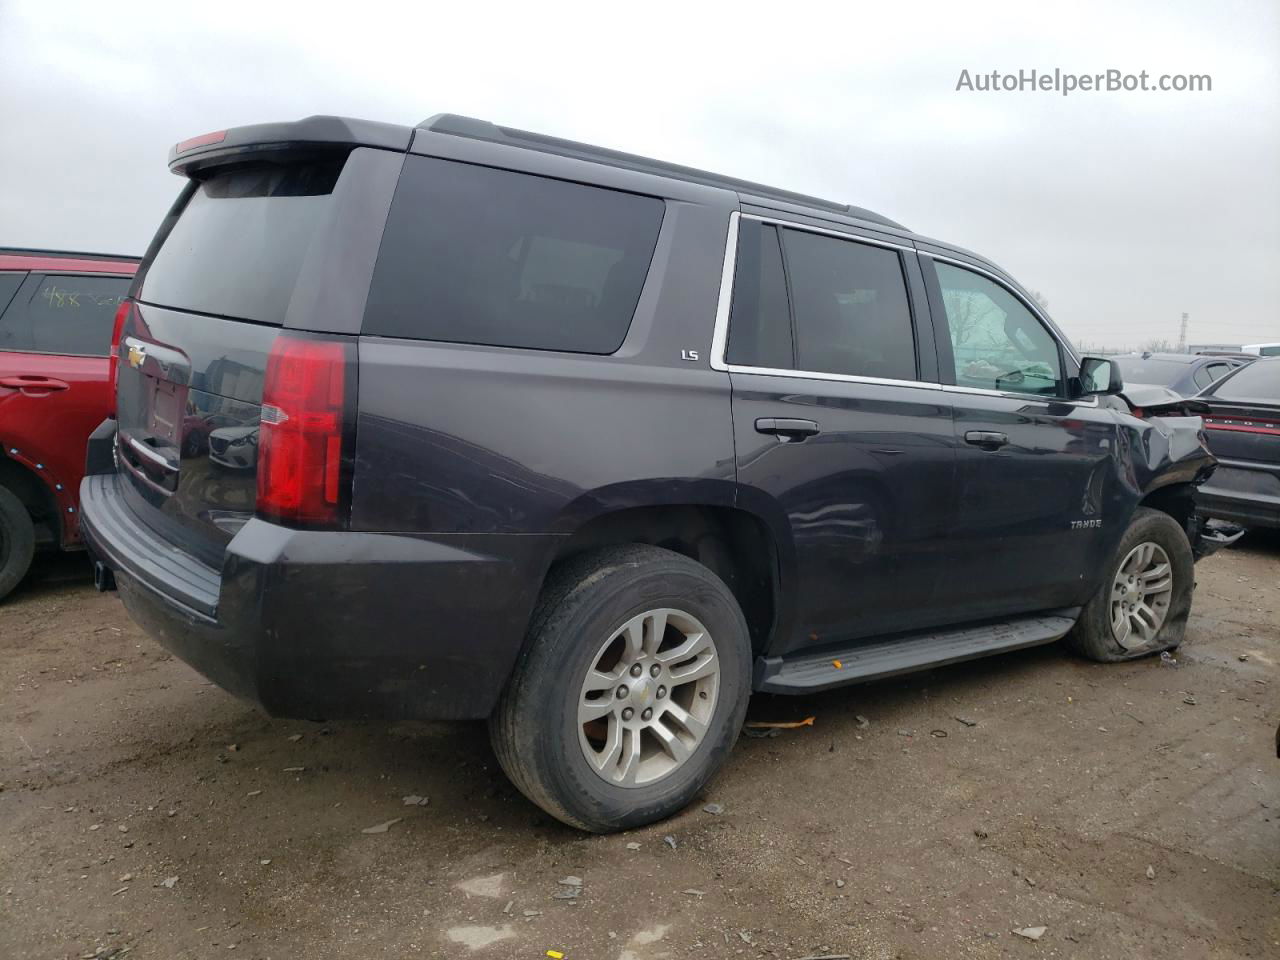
56 312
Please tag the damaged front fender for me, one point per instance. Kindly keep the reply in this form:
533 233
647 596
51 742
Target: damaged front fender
1169 459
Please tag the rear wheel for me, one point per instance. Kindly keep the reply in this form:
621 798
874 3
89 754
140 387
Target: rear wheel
17 541
1145 598
630 691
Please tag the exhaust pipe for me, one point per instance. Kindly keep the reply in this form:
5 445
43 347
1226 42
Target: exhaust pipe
103 578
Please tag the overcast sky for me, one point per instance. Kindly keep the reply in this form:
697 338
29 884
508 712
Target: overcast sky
1123 209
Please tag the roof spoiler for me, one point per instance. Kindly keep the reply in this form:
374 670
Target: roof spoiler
262 139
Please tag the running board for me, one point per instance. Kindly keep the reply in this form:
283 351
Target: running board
810 673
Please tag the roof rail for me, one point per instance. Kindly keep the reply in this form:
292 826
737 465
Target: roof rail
459 126
69 254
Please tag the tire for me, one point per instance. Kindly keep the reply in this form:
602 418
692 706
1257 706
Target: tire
1094 635
537 731
17 541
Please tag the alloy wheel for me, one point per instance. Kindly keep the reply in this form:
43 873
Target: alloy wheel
1140 595
648 697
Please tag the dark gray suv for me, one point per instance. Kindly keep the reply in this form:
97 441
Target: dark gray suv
593 446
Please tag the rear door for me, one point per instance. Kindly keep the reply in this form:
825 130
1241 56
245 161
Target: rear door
249 248
55 334
1036 472
839 423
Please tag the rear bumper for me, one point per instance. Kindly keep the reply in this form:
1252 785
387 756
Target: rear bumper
1244 493
330 624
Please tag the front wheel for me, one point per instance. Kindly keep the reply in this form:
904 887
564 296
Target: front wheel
1145 597
630 691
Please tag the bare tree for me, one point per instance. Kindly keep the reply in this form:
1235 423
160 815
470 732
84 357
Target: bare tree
968 315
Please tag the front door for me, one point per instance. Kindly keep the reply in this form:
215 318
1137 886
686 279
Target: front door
836 427
1037 498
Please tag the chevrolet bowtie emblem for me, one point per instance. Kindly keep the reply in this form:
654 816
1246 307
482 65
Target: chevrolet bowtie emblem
137 354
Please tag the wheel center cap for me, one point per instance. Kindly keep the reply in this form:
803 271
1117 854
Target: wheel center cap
643 692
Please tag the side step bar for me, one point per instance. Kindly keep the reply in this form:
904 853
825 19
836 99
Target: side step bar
810 672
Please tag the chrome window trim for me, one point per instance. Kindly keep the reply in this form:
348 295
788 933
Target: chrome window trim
720 333
833 377
855 237
1010 395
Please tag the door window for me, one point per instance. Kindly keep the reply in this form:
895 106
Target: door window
997 343
63 315
1219 370
760 321
852 315
9 284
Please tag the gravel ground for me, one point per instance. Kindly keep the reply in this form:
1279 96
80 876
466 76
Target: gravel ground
1133 811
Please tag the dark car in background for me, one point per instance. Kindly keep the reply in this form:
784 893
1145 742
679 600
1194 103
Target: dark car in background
56 315
594 446
1243 427
1155 378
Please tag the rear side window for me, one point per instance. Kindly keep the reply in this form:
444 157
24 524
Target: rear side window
477 255
851 310
760 321
239 243
62 314
1211 372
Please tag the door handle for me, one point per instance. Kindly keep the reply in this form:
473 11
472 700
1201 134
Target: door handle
791 431
986 439
33 385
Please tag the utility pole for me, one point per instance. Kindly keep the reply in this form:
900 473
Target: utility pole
1182 334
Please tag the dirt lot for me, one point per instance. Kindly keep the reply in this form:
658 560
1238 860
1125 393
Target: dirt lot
1133 811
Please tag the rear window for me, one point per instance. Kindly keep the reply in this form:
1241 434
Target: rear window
477 255
62 314
239 244
1257 382
1149 370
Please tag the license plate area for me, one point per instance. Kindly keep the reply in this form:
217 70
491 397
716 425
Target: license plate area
165 422
152 453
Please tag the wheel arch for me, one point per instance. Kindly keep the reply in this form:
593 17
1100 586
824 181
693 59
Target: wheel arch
1178 500
738 545
34 492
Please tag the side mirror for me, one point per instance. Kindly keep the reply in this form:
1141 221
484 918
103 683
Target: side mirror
1099 377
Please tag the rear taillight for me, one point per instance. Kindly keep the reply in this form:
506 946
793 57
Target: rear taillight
113 364
304 442
1244 425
